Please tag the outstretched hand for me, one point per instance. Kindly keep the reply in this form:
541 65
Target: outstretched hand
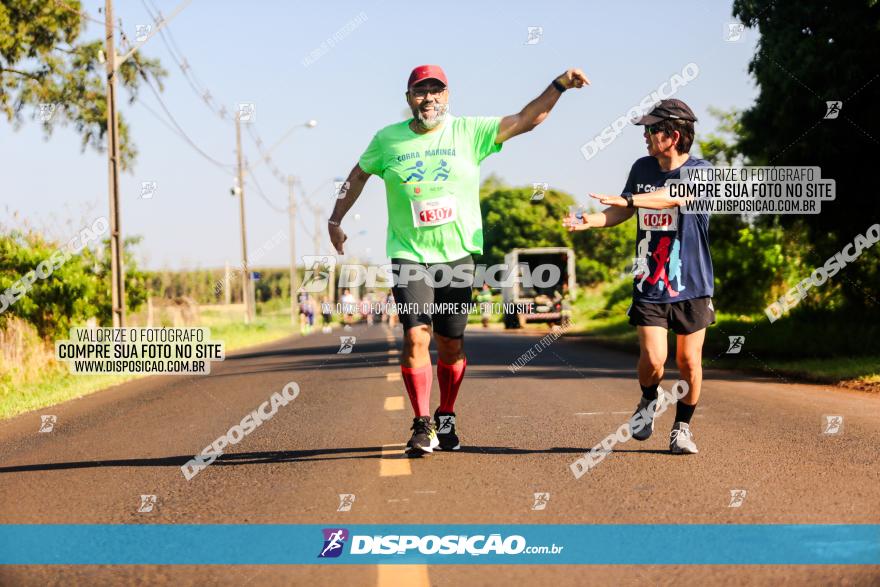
617 201
573 78
573 223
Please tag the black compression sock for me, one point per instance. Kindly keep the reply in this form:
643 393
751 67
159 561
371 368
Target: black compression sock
650 392
684 412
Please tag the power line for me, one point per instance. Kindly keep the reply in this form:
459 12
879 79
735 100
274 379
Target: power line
303 225
262 193
204 93
201 91
167 125
180 59
177 129
180 131
160 24
265 156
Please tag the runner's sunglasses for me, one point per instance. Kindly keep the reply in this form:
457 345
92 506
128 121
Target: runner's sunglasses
423 92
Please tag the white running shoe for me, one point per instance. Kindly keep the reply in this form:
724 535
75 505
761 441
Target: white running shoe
642 426
681 440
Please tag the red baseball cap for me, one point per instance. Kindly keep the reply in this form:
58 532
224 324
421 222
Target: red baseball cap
423 72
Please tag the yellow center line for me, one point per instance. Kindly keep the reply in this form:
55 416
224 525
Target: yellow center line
409 575
394 462
394 402
393 376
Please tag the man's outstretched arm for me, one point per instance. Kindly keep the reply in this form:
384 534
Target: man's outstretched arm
537 110
611 216
352 188
656 200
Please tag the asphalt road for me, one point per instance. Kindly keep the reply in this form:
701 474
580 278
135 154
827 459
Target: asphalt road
345 432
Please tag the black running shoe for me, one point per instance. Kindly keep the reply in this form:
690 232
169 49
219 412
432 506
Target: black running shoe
424 438
445 424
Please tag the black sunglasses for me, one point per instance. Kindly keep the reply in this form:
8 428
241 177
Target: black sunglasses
422 92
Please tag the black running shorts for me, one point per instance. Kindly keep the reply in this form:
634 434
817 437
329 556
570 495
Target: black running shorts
420 297
684 317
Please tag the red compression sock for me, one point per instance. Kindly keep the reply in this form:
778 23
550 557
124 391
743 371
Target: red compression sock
418 382
450 377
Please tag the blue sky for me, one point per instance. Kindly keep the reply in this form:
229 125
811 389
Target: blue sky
254 51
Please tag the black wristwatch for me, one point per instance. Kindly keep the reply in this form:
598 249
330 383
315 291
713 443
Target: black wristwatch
558 85
629 199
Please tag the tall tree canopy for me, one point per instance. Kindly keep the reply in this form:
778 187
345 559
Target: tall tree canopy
44 61
811 53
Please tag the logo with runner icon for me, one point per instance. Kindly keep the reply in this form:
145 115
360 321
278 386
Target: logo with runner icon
737 498
541 501
317 272
736 344
421 172
47 423
833 424
334 540
346 500
346 345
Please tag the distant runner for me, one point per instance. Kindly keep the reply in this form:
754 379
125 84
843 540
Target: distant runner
484 299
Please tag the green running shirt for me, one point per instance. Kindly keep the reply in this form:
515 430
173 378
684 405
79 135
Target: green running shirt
432 184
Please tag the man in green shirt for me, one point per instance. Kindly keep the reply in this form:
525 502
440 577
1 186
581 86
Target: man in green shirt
430 164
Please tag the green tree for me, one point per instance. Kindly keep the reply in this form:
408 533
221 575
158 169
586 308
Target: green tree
751 262
511 219
723 146
75 291
43 61
603 254
810 53
136 282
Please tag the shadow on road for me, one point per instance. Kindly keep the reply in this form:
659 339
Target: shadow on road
289 456
492 364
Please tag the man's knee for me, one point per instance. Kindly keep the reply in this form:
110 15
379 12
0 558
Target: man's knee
449 349
418 337
689 362
653 361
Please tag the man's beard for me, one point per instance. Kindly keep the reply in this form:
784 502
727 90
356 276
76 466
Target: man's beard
440 113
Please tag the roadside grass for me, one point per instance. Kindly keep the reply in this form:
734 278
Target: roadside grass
476 316
809 345
54 383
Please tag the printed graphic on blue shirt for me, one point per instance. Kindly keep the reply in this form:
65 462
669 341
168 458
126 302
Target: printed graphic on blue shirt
672 261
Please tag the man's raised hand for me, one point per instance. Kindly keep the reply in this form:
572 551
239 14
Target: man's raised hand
573 78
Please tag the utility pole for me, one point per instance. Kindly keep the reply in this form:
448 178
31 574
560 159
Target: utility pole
294 286
227 294
316 243
246 282
113 62
316 237
117 268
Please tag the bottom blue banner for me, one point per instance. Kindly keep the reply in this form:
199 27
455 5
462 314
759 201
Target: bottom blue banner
267 544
